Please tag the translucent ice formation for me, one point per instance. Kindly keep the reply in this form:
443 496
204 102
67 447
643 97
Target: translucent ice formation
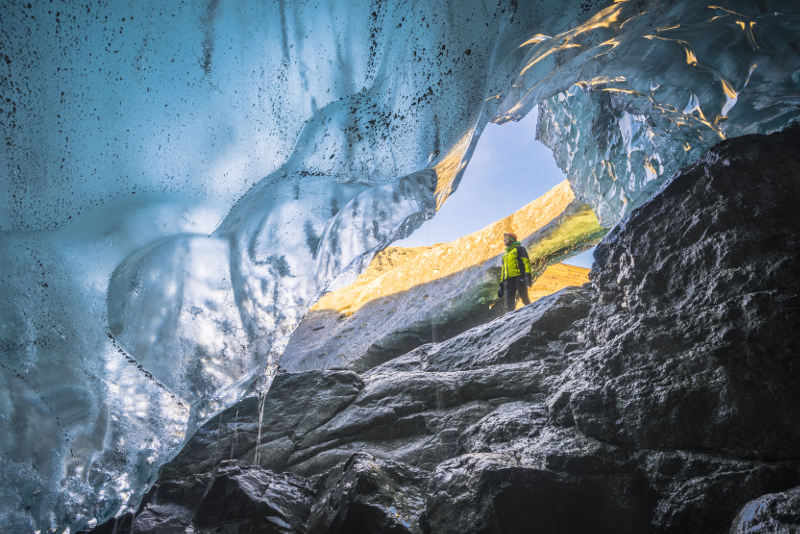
323 131
82 424
641 91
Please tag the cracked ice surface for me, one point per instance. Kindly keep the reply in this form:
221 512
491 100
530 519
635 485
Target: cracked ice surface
181 182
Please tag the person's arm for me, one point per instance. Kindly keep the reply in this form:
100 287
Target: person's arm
524 264
502 288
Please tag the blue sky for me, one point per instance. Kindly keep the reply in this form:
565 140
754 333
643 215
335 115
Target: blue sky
508 169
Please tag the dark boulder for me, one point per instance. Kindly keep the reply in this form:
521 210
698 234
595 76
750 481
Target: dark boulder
230 499
775 512
262 429
489 493
368 494
693 341
255 500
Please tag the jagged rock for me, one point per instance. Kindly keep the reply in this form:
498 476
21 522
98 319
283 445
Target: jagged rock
487 493
698 492
542 331
388 320
255 500
660 398
368 494
776 512
693 337
313 420
231 499
171 504
296 404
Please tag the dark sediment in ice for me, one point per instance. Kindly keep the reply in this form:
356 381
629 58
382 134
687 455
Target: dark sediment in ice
661 397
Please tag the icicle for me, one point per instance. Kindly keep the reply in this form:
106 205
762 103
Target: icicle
262 396
235 430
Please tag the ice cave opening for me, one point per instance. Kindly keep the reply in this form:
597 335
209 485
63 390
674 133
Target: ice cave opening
508 169
196 194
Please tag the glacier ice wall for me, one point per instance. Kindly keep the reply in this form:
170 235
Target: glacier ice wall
181 182
80 417
642 89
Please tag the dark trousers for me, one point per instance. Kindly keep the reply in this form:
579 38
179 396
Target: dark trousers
514 285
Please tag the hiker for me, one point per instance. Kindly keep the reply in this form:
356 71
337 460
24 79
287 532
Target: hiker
516 272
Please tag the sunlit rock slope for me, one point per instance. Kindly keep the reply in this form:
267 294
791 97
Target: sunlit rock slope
662 397
407 297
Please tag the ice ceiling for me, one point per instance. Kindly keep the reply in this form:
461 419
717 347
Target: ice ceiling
181 182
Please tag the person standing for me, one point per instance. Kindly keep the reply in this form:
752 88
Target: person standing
515 274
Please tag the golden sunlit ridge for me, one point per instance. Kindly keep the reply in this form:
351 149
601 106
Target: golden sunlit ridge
398 269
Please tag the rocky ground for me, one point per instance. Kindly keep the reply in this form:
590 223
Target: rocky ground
664 396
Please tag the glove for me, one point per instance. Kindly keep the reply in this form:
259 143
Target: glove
501 290
528 280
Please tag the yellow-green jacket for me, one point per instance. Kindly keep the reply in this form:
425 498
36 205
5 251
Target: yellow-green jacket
515 262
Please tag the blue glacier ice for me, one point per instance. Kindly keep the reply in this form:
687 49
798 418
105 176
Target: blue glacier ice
664 84
181 182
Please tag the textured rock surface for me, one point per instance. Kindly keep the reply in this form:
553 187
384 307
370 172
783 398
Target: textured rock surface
487 492
776 512
661 397
692 335
230 498
369 495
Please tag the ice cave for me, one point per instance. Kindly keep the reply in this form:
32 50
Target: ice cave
207 326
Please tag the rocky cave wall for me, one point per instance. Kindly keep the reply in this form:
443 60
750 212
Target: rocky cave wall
660 397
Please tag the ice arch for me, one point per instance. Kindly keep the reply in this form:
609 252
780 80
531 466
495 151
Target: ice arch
131 131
